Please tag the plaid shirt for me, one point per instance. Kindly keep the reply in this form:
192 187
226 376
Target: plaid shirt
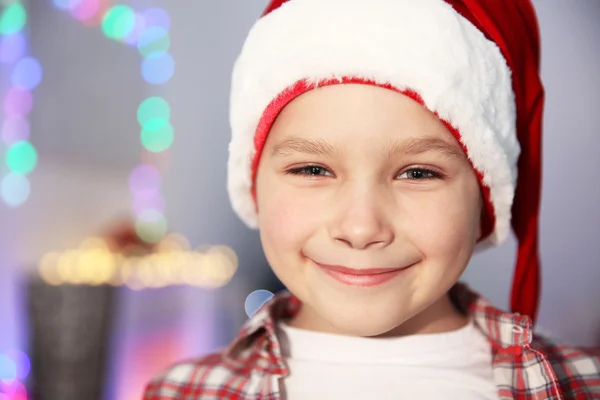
525 365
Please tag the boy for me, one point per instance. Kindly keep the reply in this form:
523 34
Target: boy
376 144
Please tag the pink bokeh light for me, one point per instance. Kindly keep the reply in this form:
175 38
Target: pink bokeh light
85 9
141 204
18 103
145 181
14 130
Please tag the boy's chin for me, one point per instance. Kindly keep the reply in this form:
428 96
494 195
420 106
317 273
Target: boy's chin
369 328
353 323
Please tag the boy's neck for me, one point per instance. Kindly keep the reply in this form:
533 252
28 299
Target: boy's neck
442 316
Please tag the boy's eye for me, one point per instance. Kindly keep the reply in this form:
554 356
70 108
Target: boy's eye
310 170
419 174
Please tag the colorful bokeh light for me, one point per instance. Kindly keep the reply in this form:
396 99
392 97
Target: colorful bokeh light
65 4
118 22
18 103
8 368
22 362
15 190
138 28
21 157
157 17
27 74
14 130
142 203
14 389
153 108
157 135
256 300
154 41
12 47
145 181
85 10
158 68
13 19
151 226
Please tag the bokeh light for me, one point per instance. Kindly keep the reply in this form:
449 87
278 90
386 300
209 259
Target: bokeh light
15 189
21 157
21 361
13 19
153 108
142 203
145 181
12 47
157 17
157 135
14 389
256 300
27 74
138 28
18 102
154 41
85 10
118 22
173 263
14 130
8 368
66 4
158 69
151 226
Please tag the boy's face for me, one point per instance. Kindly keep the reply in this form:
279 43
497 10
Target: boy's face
362 177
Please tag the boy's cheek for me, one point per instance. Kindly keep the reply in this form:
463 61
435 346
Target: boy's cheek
286 218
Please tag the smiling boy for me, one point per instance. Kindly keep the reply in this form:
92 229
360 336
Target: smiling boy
376 144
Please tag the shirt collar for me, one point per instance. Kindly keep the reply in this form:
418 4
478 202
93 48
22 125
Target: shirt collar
257 341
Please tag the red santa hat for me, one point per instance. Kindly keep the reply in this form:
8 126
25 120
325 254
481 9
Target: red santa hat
474 63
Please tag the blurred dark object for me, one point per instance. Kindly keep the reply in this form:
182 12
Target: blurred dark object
70 327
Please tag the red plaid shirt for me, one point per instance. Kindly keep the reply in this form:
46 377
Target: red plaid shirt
525 365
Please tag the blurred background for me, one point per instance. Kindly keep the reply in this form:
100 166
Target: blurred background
119 251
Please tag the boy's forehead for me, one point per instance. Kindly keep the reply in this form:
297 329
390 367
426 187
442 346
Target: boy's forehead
325 120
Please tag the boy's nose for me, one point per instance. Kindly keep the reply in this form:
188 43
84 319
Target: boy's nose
361 223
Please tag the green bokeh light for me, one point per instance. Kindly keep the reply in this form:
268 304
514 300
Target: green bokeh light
153 108
13 19
21 157
157 135
151 226
154 40
118 22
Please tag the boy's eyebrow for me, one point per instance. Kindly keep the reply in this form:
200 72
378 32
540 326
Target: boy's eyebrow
416 146
307 146
411 146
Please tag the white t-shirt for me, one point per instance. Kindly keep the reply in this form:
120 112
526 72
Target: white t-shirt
453 365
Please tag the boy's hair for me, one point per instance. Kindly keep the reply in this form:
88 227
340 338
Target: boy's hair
475 65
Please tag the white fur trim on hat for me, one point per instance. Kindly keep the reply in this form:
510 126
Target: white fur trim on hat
422 45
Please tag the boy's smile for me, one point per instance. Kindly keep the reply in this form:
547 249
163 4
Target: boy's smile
365 277
360 177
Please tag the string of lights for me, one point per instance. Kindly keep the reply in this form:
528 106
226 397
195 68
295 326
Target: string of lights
148 32
25 74
17 155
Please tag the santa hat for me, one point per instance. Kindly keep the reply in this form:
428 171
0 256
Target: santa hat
474 63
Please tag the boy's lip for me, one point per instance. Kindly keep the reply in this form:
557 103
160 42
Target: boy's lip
364 277
362 271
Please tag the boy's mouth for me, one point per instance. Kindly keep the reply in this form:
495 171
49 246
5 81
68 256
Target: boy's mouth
360 277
